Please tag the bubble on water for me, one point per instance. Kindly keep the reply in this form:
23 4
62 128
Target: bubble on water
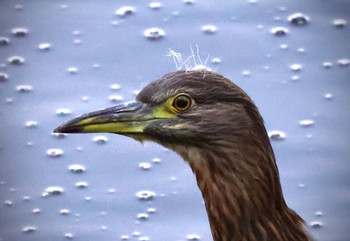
18 7
31 124
19 32
145 165
28 229
298 19
301 50
24 88
76 168
36 210
63 112
69 235
279 31
145 195
115 86
327 64
301 185
111 190
88 198
53 191
316 224
4 41
306 123
85 98
277 135
154 33
54 152
72 70
44 46
124 237
318 213
343 62
115 98
100 139
339 22
81 185
296 67
3 77
16 60
142 216
246 73
284 46
59 135
155 5
193 237
65 211
328 96
125 11
209 29
96 66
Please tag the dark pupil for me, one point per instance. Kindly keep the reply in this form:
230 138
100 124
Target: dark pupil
182 102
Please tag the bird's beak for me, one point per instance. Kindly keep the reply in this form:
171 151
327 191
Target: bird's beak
128 118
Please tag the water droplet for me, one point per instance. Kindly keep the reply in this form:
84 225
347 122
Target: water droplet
343 62
142 216
18 7
328 96
85 98
124 237
143 238
44 46
31 124
76 168
301 185
306 123
156 160
63 112
53 191
284 46
4 41
154 33
339 22
16 60
24 88
28 229
298 19
319 214
64 211
125 11
111 190
115 98
115 86
19 32
151 210
209 29
145 195
189 2
72 70
100 139
69 235
193 237
279 31
36 211
59 135
316 224
145 165
277 135
54 152
246 73
81 185
3 77
8 203
216 61
155 5
296 67
327 64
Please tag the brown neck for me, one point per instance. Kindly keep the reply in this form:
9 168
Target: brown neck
242 194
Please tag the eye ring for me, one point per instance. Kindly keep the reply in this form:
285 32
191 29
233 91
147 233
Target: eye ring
182 103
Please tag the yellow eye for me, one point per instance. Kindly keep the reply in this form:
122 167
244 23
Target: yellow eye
182 103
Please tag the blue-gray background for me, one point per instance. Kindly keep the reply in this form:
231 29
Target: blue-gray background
108 49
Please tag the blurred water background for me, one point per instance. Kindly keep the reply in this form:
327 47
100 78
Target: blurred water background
62 58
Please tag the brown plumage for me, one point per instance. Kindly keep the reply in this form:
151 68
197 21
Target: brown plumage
223 138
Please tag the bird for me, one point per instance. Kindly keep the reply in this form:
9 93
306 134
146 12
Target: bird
217 129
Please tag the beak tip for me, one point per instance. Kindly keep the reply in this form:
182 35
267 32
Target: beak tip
67 129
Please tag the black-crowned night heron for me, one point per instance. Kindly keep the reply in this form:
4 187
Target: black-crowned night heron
213 125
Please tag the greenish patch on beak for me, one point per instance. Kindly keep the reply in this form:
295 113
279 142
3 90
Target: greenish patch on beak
127 118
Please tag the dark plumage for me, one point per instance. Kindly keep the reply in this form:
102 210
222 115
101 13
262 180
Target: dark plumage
214 126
